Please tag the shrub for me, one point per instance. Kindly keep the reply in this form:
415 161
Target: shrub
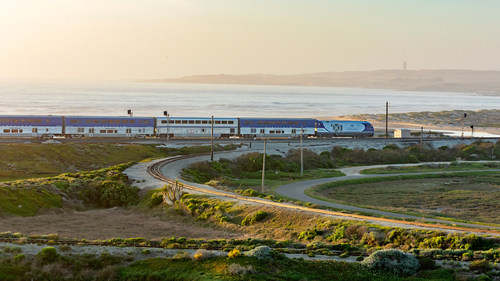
480 265
18 258
255 217
156 199
360 258
426 263
344 255
47 255
393 261
237 269
261 252
234 254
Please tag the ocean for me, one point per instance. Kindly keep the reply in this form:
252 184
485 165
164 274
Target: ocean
202 100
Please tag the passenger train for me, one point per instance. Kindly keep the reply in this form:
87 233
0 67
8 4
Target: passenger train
47 126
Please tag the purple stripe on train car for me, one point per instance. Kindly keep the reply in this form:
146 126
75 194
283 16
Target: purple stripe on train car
30 120
277 123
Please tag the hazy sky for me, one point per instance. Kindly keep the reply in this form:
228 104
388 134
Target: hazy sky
128 39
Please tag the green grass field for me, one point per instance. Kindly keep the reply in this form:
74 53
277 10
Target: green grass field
21 161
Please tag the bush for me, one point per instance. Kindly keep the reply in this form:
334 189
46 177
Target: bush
261 252
156 199
426 263
480 265
234 254
237 269
47 255
255 217
393 261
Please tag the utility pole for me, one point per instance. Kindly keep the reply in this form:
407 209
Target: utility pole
212 140
421 137
386 119
301 153
463 120
263 165
168 123
472 132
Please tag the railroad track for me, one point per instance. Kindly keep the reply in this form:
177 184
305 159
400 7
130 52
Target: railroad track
155 171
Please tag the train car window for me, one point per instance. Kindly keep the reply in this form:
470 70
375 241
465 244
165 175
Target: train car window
95 121
34 130
197 122
271 132
177 121
22 121
164 121
230 122
191 121
6 130
73 121
253 131
15 130
81 130
110 131
88 121
171 122
132 121
262 131
38 120
146 122
204 122
102 131
184 121
30 121
224 122
217 122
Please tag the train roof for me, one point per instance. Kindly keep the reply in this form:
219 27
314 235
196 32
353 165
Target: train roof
30 116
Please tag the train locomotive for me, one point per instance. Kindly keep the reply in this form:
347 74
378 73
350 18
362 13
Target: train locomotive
39 126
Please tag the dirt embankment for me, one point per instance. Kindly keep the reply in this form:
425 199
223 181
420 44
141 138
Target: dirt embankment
109 223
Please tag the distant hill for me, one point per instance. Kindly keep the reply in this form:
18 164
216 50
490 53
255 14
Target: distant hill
443 80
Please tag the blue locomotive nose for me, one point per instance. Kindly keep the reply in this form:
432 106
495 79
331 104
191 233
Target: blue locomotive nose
368 127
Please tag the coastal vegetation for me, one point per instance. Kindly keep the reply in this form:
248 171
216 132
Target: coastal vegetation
467 196
453 166
267 236
32 160
245 172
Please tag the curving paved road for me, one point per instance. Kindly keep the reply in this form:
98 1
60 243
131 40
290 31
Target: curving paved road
297 190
